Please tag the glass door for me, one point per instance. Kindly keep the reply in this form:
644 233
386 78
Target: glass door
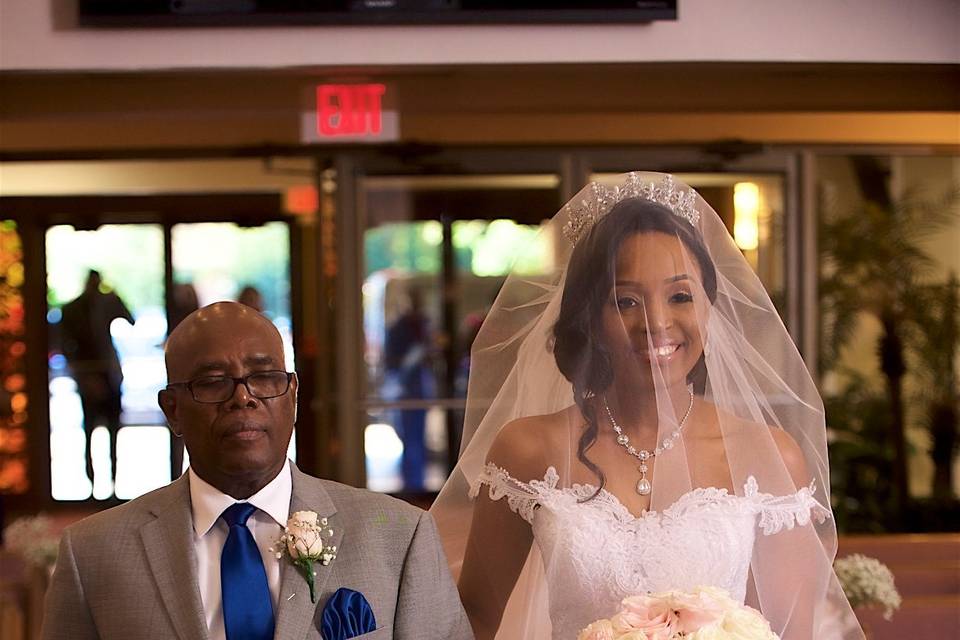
109 313
434 248
107 326
435 251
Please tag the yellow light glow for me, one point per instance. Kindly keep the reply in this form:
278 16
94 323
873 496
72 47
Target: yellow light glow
746 221
18 402
432 233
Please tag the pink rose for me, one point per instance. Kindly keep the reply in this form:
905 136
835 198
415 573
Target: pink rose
698 609
599 630
653 616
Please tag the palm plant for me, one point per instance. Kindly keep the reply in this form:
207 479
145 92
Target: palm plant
872 262
859 457
936 348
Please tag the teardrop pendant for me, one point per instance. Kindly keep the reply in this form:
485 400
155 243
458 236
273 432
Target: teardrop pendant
643 487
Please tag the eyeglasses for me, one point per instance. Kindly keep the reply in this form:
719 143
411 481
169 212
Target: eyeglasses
213 389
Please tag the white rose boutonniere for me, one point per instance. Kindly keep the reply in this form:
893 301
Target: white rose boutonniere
304 541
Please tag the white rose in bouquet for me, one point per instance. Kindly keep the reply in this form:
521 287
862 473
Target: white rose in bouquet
705 613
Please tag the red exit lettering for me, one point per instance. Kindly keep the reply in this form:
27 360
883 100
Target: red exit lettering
349 109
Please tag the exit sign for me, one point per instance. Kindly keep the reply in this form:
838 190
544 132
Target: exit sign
351 113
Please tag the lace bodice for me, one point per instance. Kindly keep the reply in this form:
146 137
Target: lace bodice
600 553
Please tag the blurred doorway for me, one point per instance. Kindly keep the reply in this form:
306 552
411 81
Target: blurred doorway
105 297
426 244
434 251
155 259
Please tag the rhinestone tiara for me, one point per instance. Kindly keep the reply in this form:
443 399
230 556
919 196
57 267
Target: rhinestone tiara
581 216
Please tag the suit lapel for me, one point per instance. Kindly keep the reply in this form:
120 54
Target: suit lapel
169 547
295 611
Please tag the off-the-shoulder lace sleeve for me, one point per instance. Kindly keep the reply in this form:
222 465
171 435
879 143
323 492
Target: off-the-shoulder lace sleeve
785 512
522 498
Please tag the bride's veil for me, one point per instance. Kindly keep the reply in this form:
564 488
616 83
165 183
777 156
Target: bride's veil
651 316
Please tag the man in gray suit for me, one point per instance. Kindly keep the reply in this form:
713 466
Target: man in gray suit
193 560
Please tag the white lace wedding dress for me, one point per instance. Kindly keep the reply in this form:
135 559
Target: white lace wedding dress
600 553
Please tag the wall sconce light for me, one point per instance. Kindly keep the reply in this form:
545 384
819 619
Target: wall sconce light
746 220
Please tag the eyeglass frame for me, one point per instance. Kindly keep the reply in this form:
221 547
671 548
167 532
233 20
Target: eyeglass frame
236 382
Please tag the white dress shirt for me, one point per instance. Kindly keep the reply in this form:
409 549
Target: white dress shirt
210 533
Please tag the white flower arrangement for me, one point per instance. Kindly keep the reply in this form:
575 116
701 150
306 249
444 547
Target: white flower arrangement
867 582
304 541
33 539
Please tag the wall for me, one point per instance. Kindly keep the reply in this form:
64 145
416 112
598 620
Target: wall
772 103
40 35
151 177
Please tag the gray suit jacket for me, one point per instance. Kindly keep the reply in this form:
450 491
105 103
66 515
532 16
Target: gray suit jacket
131 571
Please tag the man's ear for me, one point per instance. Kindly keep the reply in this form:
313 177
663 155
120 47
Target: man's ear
294 388
168 404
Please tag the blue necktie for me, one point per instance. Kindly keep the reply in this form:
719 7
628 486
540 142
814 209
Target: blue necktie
247 605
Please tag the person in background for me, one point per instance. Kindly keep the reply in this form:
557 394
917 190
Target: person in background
94 363
251 297
410 377
184 302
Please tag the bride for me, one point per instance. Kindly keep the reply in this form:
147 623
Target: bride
637 421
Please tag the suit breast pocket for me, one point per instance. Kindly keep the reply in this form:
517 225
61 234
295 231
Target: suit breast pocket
383 633
380 634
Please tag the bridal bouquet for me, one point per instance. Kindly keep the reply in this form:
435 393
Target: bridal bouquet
706 613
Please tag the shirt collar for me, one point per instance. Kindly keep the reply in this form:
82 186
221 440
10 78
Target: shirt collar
207 502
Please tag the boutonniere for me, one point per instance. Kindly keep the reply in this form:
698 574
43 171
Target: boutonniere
304 541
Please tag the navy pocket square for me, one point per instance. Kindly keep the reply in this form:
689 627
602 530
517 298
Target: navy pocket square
347 614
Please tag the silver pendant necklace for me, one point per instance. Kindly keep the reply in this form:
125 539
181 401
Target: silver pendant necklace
643 486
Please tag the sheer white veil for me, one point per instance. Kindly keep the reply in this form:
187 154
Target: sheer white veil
692 349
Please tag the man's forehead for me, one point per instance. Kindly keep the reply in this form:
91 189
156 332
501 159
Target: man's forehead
210 347
248 360
203 358
238 345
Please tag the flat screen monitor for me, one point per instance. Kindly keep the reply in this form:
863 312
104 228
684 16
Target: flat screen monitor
177 13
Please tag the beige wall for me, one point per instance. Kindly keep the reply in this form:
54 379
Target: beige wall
802 104
146 177
41 34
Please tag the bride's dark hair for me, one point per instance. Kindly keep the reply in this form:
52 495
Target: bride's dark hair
577 345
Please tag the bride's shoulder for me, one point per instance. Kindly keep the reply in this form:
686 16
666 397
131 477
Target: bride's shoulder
792 455
790 452
526 447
